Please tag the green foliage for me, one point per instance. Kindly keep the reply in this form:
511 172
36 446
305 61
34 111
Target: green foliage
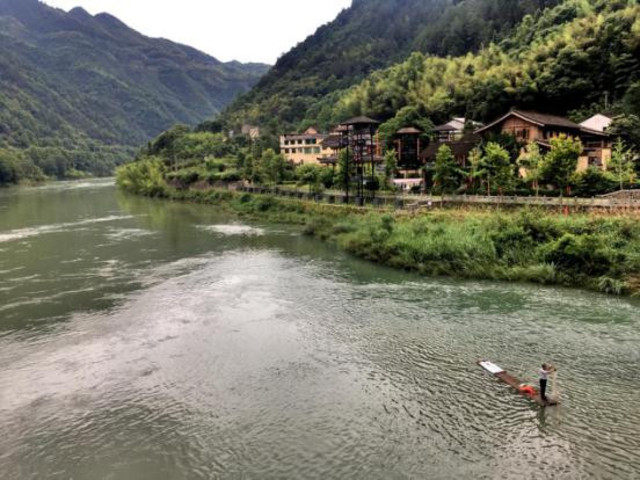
582 254
531 162
346 170
88 90
270 167
390 167
371 35
621 164
310 175
448 174
593 181
497 167
15 168
558 61
144 177
408 116
562 160
627 126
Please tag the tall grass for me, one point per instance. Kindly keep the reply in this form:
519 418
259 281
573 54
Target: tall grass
582 250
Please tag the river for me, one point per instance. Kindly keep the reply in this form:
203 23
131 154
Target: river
144 339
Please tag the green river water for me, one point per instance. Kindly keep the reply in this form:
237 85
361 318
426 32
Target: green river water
144 339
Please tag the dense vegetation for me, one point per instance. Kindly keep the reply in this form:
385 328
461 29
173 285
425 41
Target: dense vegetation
370 35
77 92
600 253
581 57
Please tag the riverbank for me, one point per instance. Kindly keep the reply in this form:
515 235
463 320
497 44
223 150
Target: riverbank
593 251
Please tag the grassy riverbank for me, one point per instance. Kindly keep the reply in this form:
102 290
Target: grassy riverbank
591 251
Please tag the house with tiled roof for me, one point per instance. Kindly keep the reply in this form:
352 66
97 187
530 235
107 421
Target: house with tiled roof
541 128
306 148
454 129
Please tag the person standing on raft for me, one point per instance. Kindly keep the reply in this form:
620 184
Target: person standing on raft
544 376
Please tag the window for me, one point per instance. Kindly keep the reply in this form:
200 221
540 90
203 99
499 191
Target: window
316 149
595 161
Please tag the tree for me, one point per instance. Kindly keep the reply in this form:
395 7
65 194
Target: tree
271 166
497 166
562 160
476 166
531 163
310 175
621 164
346 170
448 174
627 127
390 165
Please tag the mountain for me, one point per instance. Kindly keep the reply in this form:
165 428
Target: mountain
74 82
578 58
371 35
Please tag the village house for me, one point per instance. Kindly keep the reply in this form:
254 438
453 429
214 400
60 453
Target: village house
306 148
540 128
458 135
454 130
459 148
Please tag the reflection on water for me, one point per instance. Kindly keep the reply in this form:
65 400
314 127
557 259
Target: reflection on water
171 341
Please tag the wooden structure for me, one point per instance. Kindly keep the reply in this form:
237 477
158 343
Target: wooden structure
359 133
408 148
522 388
540 128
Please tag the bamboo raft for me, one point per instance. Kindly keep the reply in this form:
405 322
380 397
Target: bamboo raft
523 389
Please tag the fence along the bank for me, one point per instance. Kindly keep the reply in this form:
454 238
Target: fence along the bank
619 200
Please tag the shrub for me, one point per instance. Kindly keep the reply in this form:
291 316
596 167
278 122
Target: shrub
592 182
582 255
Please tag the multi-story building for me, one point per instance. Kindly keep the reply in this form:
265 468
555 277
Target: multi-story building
454 130
540 128
306 148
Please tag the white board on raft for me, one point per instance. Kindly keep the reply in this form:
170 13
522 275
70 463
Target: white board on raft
491 367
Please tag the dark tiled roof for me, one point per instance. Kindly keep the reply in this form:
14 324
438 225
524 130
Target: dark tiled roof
446 128
541 119
361 121
408 131
333 141
308 136
459 148
551 120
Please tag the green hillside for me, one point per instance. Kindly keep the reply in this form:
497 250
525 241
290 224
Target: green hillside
78 92
578 58
370 35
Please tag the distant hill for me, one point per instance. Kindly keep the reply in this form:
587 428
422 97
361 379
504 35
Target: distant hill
371 35
578 58
73 82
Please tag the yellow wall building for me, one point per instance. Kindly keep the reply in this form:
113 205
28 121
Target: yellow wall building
306 148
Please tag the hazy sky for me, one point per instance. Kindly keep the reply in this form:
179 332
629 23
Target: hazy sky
244 30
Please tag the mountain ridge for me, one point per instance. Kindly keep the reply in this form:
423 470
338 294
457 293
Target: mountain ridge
369 36
75 82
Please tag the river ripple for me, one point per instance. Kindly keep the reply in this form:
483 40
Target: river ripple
145 339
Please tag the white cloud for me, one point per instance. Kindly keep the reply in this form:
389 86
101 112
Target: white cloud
244 30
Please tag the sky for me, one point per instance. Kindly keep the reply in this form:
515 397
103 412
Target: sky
244 30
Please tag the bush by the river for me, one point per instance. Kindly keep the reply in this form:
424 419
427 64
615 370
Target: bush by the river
595 251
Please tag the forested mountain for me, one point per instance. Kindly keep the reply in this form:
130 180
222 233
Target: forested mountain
76 90
576 59
370 35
